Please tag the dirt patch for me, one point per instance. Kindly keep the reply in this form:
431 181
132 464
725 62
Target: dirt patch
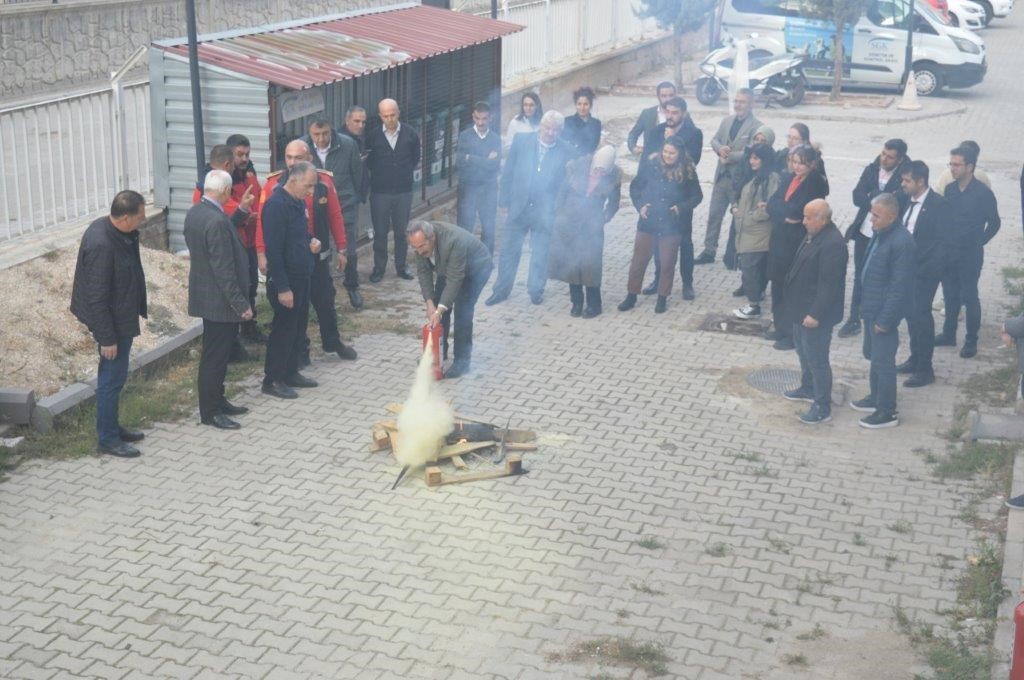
44 345
839 656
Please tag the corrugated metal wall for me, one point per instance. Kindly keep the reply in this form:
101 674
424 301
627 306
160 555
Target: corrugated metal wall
232 103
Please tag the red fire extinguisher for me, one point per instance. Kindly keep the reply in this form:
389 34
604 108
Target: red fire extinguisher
432 335
1017 650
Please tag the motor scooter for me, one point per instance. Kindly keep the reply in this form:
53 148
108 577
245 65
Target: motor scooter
774 73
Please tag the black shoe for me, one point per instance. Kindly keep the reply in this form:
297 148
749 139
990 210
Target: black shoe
591 311
457 369
878 420
919 380
119 450
784 344
279 390
229 409
299 380
130 436
816 415
688 293
651 289
345 352
849 329
376 276
405 274
906 367
738 292
355 298
661 305
799 394
628 303
222 422
865 405
576 309
496 298
943 340
968 350
1015 503
704 258
536 298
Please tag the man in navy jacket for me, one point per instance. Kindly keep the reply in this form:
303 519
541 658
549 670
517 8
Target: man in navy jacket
394 153
887 280
478 159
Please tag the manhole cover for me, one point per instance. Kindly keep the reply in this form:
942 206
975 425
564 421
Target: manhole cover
727 323
773 380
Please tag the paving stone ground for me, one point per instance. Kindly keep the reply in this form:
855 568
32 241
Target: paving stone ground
279 551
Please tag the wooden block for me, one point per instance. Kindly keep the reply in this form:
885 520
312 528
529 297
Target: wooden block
520 447
381 440
433 476
385 425
514 465
459 463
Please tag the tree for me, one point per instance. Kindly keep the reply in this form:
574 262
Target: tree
682 16
842 13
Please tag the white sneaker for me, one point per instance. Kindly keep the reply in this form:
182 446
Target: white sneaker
748 312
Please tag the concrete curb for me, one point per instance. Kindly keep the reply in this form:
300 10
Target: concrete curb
48 409
16 405
1013 568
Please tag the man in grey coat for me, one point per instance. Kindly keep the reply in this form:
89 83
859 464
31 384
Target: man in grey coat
218 284
734 135
453 266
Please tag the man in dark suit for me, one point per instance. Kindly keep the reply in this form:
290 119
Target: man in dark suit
453 267
815 290
109 296
218 284
394 153
677 124
650 119
888 279
478 159
882 175
529 184
927 219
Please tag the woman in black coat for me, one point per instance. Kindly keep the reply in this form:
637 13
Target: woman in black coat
581 130
786 209
665 192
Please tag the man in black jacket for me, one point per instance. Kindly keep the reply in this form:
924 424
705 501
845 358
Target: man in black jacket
109 296
650 119
218 283
882 175
927 219
340 155
478 159
815 290
888 279
394 153
677 124
974 221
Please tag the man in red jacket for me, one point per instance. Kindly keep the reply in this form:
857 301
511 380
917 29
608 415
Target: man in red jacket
244 181
323 210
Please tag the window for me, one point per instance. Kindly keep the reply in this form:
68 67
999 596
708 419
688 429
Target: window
776 8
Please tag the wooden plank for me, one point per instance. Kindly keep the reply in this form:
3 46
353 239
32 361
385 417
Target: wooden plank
461 448
513 466
458 462
385 425
512 446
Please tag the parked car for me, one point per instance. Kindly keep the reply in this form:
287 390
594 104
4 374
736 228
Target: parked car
994 8
966 13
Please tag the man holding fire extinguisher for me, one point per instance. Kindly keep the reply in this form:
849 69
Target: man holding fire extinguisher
453 267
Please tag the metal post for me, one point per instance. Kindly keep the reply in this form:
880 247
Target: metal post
120 135
494 9
910 42
197 103
547 32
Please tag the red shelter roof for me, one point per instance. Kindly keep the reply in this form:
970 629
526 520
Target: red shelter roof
322 50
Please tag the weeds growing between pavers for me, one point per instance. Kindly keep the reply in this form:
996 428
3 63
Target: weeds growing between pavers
647 656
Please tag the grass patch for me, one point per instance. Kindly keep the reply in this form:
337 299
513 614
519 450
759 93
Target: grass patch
996 387
649 657
795 660
764 471
779 545
643 587
650 543
749 457
815 633
980 588
973 458
901 527
717 550
858 540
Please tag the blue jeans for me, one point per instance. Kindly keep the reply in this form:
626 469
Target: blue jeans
463 311
479 200
880 350
110 378
812 346
512 249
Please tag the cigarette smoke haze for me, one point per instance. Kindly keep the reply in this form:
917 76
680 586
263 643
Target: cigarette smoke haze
426 419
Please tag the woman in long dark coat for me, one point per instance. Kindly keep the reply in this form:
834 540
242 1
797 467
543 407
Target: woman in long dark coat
786 208
589 197
665 192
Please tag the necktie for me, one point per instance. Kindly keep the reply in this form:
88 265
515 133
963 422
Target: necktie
910 213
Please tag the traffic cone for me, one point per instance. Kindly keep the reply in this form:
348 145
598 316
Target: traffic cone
909 101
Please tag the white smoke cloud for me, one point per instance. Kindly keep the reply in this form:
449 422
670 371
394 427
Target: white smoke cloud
426 418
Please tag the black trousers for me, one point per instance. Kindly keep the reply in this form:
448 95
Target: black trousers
321 298
479 200
218 337
860 251
254 278
389 213
463 309
922 324
287 338
351 217
960 289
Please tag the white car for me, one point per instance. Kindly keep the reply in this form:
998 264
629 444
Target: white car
994 8
966 13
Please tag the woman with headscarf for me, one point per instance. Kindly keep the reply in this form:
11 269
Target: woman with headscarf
665 192
797 135
588 199
754 226
786 208
528 118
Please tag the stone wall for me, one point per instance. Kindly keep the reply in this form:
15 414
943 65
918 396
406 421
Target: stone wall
47 48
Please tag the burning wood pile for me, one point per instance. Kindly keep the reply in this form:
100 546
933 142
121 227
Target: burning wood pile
486 445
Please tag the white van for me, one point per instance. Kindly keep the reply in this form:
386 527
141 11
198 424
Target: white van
875 47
